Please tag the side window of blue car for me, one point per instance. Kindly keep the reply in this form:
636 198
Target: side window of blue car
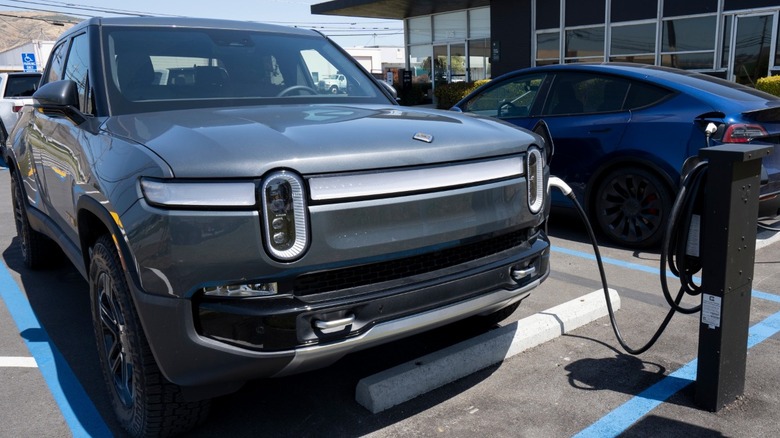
642 95
586 93
512 98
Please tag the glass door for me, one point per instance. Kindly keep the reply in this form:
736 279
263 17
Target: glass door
752 44
441 65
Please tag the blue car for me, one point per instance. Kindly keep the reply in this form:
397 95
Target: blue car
623 131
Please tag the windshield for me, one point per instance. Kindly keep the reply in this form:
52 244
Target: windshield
177 68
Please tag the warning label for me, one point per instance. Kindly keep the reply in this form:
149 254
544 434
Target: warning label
710 310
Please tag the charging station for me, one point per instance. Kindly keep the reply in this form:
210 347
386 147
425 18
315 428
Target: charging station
728 244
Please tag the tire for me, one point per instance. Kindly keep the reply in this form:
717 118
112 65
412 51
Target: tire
632 206
334 89
38 251
144 401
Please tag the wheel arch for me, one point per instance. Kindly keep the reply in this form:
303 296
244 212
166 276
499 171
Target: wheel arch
94 220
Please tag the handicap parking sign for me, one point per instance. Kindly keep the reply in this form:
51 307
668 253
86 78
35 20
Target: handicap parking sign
29 63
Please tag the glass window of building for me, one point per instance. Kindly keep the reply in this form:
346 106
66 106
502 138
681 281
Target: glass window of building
479 59
450 26
420 63
632 10
419 29
689 43
479 23
585 44
633 43
548 48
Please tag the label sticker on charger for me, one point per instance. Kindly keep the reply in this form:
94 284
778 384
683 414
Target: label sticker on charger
710 310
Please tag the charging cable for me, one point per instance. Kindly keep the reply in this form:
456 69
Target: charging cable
677 246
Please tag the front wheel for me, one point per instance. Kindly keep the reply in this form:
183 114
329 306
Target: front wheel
144 401
632 206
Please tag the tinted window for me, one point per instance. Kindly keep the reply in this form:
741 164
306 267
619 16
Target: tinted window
21 85
642 94
77 67
511 98
585 93
628 10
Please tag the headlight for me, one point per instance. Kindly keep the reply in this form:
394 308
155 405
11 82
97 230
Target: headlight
284 215
535 175
198 194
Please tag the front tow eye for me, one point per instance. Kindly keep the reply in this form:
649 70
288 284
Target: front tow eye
334 324
518 274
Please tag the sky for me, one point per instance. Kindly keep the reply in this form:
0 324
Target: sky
346 31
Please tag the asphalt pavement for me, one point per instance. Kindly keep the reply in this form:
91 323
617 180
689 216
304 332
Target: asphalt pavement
580 383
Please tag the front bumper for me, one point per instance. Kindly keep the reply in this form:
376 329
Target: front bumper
220 361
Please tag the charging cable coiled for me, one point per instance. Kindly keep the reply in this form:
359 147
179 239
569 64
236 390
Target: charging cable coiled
675 245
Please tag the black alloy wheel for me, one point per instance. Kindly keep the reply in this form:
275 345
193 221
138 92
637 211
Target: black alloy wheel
144 401
632 206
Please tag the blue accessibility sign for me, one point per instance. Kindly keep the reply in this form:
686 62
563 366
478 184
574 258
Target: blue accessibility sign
29 63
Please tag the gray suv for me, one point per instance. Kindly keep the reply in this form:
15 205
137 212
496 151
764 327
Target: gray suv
234 222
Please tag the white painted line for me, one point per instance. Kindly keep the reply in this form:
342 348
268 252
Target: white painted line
17 362
404 382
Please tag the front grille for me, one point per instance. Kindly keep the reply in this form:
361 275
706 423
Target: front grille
363 275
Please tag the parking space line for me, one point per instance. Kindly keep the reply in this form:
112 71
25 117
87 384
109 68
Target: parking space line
17 362
647 269
624 416
75 405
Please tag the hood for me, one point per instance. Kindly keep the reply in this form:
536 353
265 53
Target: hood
310 139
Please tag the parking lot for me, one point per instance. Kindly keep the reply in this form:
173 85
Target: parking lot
579 384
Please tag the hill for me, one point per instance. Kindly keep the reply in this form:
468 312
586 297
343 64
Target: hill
17 28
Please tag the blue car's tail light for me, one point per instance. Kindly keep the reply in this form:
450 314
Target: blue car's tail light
284 215
743 133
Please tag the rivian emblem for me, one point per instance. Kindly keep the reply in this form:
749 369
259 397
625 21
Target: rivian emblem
421 136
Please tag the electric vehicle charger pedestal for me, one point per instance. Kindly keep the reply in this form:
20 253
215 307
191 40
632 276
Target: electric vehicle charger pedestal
727 250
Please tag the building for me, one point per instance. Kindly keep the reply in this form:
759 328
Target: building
467 40
31 56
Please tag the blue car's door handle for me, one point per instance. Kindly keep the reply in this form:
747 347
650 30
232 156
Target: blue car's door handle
599 131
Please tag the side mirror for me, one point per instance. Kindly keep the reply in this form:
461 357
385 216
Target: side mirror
543 131
59 97
390 89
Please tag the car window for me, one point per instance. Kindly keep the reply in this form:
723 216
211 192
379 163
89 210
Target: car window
76 68
56 61
167 68
512 98
586 93
642 94
21 85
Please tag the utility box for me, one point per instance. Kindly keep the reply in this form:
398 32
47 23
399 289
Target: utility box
728 245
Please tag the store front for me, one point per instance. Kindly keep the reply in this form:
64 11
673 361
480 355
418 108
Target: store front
470 40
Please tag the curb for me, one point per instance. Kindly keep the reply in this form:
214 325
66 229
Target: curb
404 382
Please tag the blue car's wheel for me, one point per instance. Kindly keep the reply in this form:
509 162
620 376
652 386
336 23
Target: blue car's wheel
631 206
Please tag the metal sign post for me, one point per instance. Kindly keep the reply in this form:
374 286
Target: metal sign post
728 248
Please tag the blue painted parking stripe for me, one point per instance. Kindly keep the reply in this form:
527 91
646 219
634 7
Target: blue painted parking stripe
78 410
648 269
625 415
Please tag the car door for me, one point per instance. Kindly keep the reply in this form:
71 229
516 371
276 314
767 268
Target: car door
56 148
587 118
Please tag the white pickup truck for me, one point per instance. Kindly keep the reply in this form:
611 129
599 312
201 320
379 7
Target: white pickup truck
16 90
334 84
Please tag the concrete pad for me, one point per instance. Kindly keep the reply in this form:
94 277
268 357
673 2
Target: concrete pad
404 382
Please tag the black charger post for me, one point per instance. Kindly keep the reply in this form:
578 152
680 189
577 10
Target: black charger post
728 244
